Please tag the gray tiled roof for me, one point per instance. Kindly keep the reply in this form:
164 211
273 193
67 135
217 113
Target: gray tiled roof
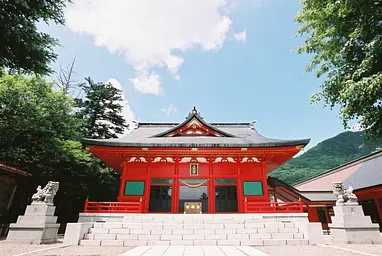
369 174
243 136
318 196
313 196
360 173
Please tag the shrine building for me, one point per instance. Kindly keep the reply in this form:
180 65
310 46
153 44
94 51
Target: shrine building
222 166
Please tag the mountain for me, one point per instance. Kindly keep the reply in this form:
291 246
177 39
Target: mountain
330 153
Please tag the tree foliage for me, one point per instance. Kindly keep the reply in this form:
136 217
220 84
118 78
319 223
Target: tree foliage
23 48
102 110
39 133
33 118
345 39
330 153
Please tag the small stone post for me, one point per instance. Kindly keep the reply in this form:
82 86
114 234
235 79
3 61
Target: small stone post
38 225
350 225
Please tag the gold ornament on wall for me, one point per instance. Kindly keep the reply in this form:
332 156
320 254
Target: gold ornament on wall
194 171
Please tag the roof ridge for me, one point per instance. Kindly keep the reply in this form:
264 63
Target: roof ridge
215 124
193 115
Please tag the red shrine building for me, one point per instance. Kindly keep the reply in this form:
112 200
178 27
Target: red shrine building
223 166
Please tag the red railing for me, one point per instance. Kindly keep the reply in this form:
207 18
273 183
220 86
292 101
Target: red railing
113 207
273 207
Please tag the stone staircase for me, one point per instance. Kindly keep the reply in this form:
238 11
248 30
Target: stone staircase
206 229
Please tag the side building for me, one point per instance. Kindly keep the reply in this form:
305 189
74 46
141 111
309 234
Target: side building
364 175
10 178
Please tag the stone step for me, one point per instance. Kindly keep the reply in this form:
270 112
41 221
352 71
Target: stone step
196 218
228 216
216 224
206 221
197 236
190 230
115 225
237 242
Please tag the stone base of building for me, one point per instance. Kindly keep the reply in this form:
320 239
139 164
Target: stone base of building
100 217
351 226
193 229
37 226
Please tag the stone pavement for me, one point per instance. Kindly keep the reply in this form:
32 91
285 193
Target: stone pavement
194 251
7 249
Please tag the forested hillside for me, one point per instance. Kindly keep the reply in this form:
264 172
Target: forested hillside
329 153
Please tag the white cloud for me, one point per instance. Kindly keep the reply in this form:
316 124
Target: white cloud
152 33
147 83
241 36
169 110
127 112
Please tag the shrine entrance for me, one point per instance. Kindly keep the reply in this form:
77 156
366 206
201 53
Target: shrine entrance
193 191
215 195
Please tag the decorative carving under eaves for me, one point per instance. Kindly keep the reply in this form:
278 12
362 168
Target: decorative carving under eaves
137 159
250 160
160 159
224 160
188 159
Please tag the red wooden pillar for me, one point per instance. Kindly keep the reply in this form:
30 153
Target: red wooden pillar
312 214
240 199
211 186
265 181
378 204
211 195
86 205
122 182
300 205
240 194
175 187
146 194
327 216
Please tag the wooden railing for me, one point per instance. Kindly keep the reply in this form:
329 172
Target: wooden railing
273 207
113 207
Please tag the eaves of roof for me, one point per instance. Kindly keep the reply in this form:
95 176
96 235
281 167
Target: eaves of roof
196 145
14 170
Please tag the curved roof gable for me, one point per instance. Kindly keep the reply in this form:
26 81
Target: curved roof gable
194 125
194 132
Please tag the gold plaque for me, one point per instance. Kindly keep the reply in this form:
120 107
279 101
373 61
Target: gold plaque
192 208
194 169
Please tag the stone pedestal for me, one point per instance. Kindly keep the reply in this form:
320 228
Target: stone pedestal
37 226
351 226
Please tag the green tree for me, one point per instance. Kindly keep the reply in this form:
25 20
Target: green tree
102 110
33 118
345 39
37 133
40 134
23 48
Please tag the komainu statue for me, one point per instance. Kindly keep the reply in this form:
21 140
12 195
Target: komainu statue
46 195
344 196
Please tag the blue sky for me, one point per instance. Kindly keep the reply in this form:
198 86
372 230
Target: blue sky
243 73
